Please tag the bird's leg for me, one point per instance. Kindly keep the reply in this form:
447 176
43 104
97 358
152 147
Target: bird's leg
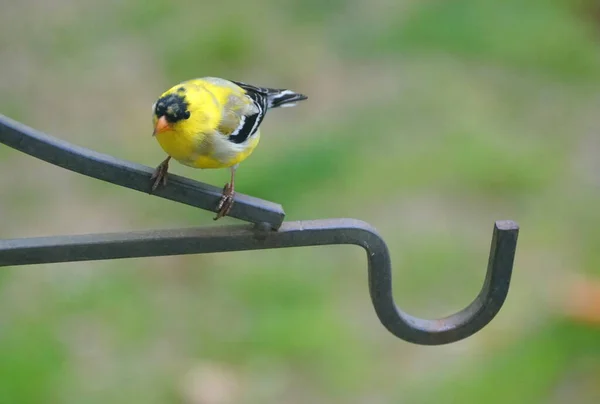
226 201
160 174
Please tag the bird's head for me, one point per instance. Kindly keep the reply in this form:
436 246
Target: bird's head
169 110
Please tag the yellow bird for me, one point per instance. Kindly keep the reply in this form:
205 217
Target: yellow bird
213 123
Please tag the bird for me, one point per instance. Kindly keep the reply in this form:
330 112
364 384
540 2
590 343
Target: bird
212 123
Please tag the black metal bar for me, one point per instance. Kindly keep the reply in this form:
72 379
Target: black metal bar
292 234
132 175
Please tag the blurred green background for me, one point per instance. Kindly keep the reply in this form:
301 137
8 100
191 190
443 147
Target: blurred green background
428 119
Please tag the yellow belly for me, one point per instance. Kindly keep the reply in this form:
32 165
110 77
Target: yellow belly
207 154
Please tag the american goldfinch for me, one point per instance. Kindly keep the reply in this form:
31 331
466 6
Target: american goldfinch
213 123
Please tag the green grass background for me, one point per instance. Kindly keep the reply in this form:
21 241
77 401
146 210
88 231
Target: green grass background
428 119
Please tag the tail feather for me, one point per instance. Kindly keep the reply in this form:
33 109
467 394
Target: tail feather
274 97
283 98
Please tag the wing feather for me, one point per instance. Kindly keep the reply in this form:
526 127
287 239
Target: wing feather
242 115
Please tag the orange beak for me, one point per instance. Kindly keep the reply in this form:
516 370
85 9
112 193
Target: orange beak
161 126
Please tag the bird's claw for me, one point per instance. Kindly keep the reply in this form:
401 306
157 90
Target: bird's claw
160 175
226 201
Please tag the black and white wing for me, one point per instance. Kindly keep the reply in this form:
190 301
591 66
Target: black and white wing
243 115
247 112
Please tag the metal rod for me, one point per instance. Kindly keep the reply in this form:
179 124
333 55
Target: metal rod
131 175
292 234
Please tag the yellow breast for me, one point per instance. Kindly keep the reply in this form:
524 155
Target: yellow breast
182 148
205 150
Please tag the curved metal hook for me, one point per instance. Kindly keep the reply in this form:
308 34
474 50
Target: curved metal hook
291 234
237 238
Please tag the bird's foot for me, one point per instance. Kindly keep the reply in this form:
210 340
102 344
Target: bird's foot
160 175
226 201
